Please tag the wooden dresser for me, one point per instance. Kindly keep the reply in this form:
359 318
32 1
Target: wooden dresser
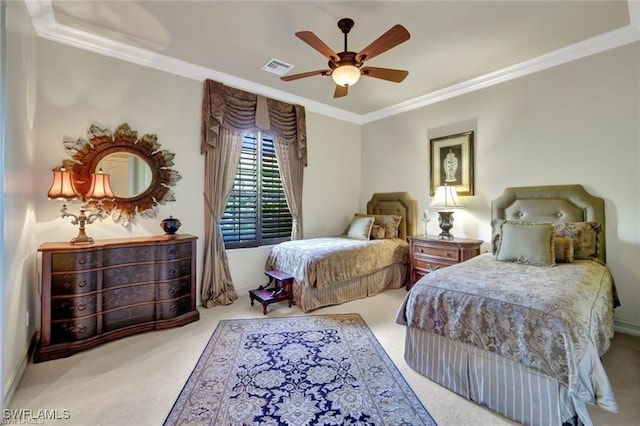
96 293
431 253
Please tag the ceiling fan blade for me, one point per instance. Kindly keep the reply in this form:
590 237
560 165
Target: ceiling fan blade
385 73
340 91
396 35
304 74
312 40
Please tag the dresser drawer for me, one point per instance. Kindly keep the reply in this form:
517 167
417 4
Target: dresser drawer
73 306
176 251
129 274
73 330
130 295
125 255
173 289
174 308
130 315
61 262
71 283
173 270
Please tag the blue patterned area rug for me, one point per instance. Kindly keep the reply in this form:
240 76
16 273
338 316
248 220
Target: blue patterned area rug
304 370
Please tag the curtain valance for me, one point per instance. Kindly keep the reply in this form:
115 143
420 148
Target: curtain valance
240 111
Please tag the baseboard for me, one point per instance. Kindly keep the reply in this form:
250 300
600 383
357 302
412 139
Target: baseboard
16 376
627 328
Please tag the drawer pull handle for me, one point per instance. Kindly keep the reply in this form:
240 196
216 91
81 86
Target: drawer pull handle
82 284
434 268
81 329
173 251
421 250
447 254
172 291
173 272
82 261
82 307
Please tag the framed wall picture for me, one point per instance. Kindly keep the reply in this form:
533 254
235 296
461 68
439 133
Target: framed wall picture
452 162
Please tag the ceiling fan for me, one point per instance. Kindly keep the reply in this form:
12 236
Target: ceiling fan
346 67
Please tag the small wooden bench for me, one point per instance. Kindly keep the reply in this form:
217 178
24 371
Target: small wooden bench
278 289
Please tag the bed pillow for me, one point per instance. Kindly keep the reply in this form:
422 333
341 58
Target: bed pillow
377 232
360 227
389 222
585 236
527 243
496 224
564 249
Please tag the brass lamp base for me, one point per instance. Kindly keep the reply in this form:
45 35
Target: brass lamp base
445 220
81 238
81 220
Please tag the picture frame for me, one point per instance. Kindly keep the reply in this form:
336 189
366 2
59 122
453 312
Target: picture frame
451 162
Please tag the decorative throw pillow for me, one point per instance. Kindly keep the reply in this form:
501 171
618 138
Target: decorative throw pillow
585 236
389 222
377 232
527 243
564 249
360 228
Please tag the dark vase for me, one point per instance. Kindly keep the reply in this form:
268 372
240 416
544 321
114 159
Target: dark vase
170 225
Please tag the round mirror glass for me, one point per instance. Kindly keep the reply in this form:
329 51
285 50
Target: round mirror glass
130 174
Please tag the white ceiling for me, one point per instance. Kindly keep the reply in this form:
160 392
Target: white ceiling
455 46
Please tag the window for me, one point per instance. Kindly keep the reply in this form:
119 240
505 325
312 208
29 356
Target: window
256 213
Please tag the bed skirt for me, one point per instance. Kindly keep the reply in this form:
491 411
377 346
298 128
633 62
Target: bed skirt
308 298
493 381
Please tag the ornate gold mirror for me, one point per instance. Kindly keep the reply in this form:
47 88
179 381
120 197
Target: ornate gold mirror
140 171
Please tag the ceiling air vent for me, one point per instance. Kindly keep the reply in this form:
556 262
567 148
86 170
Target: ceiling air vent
277 66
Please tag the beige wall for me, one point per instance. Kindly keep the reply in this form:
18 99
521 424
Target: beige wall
20 284
576 123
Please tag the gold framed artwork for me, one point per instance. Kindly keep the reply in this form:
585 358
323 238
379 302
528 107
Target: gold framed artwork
452 162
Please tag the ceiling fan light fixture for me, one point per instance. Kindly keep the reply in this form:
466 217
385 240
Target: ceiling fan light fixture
346 75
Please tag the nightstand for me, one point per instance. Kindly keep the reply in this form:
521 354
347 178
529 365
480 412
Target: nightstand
429 253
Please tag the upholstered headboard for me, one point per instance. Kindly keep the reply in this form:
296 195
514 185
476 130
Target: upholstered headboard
553 204
396 203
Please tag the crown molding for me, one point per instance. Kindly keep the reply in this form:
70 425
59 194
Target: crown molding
45 25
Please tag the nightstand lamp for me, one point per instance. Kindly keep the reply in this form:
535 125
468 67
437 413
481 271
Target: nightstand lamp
445 198
62 188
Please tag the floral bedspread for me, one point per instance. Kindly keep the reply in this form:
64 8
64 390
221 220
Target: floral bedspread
321 262
546 319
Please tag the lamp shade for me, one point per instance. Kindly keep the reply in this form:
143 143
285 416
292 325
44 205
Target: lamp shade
62 187
100 186
445 197
346 75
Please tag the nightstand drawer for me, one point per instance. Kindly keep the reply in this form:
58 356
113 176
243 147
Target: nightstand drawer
430 265
446 253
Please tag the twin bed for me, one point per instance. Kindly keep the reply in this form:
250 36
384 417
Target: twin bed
520 330
329 271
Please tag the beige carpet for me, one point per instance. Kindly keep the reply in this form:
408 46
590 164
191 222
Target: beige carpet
135 381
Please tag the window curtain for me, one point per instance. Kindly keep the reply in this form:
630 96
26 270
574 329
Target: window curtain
227 114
